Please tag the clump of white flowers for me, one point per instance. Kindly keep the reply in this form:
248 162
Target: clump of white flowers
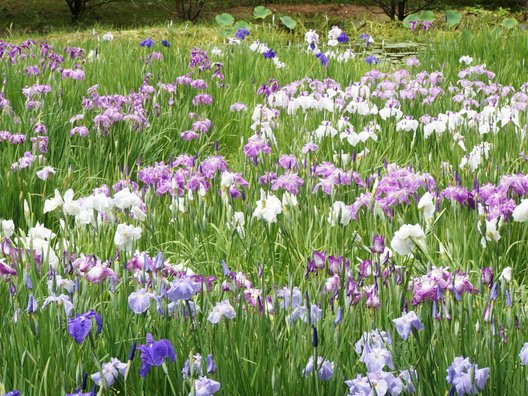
406 238
126 235
268 207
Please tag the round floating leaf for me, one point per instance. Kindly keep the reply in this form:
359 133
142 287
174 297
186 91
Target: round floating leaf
261 12
409 18
289 22
225 19
453 17
242 25
509 23
427 16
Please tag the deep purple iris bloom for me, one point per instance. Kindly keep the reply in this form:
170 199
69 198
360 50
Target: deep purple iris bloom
269 54
80 326
165 43
154 353
322 57
371 59
147 43
241 34
342 38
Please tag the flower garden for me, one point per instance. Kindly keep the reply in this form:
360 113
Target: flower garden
264 215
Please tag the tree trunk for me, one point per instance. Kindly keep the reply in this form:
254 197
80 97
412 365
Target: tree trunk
393 10
401 10
76 8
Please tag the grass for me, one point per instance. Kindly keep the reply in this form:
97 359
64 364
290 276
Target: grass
255 353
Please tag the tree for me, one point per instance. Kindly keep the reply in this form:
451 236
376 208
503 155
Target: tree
399 9
77 7
188 10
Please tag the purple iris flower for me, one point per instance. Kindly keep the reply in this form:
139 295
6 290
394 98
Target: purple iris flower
165 43
132 351
325 368
32 305
406 323
487 276
322 58
523 355
211 366
154 353
80 326
147 43
269 54
183 289
13 393
427 25
197 367
339 317
225 268
139 301
371 59
465 377
77 392
241 34
342 38
378 244
367 38
205 386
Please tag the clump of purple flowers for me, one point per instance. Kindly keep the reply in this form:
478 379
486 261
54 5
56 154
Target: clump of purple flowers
199 59
373 348
465 377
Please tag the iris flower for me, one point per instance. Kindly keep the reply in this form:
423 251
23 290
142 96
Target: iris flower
110 371
154 353
342 38
241 34
205 387
371 59
80 326
322 58
523 355
269 54
147 43
405 324
325 368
